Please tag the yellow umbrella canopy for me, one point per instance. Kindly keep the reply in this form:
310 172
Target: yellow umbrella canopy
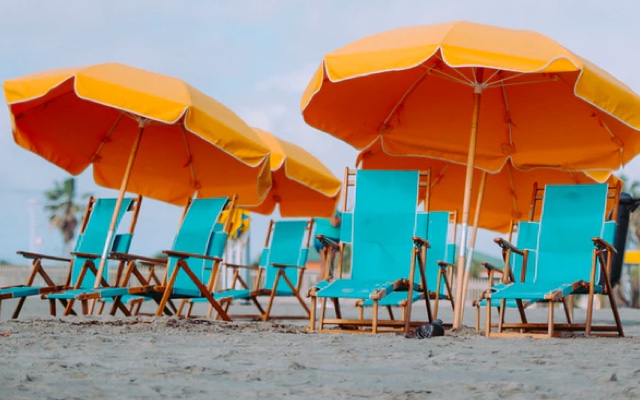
413 89
93 115
506 196
302 186
143 132
475 94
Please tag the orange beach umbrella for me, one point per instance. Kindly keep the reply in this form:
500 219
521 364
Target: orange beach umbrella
478 95
143 132
302 186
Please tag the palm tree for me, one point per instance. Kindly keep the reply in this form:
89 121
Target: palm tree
63 210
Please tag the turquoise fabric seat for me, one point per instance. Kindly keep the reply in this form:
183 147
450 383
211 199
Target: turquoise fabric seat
89 246
380 231
433 226
572 215
281 267
527 239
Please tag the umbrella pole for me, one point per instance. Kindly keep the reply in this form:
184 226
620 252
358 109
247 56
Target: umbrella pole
472 240
116 211
466 205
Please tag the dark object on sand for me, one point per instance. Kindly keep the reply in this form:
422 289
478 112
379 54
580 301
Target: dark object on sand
627 205
426 331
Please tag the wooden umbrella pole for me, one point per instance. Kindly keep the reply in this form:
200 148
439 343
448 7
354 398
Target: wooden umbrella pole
466 205
472 240
116 211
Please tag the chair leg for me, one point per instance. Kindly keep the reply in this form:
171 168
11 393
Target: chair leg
567 310
477 318
178 312
487 319
323 309
68 308
501 312
374 321
16 312
312 314
391 317
552 305
52 308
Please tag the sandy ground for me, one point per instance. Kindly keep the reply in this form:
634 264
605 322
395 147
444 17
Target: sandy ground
150 358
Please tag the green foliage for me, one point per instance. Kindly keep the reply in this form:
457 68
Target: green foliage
63 209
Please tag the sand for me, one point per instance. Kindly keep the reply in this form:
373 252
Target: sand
150 358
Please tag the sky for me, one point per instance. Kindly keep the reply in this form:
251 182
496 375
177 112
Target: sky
256 57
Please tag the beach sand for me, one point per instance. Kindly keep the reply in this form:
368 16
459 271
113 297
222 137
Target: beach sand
107 357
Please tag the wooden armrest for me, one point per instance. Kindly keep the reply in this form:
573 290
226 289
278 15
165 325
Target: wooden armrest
251 267
182 254
328 242
491 267
508 246
34 256
418 241
85 255
128 257
153 263
603 244
278 265
445 264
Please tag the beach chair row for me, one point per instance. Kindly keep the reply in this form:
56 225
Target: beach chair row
400 254
191 269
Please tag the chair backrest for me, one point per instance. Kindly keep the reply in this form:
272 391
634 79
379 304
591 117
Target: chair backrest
434 226
527 238
198 235
288 244
571 216
383 224
94 236
346 227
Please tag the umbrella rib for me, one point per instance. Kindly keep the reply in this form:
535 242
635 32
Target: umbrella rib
96 154
438 177
508 112
614 138
404 96
501 83
514 197
452 78
194 181
43 105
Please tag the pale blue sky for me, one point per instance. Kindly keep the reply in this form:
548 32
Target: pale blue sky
256 57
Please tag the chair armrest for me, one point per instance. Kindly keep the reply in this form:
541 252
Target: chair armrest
34 256
328 242
445 264
85 255
251 267
491 267
278 265
603 244
182 254
418 241
128 257
505 245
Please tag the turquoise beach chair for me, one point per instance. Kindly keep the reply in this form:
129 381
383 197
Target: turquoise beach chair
434 226
384 248
282 263
517 261
88 248
193 260
571 257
